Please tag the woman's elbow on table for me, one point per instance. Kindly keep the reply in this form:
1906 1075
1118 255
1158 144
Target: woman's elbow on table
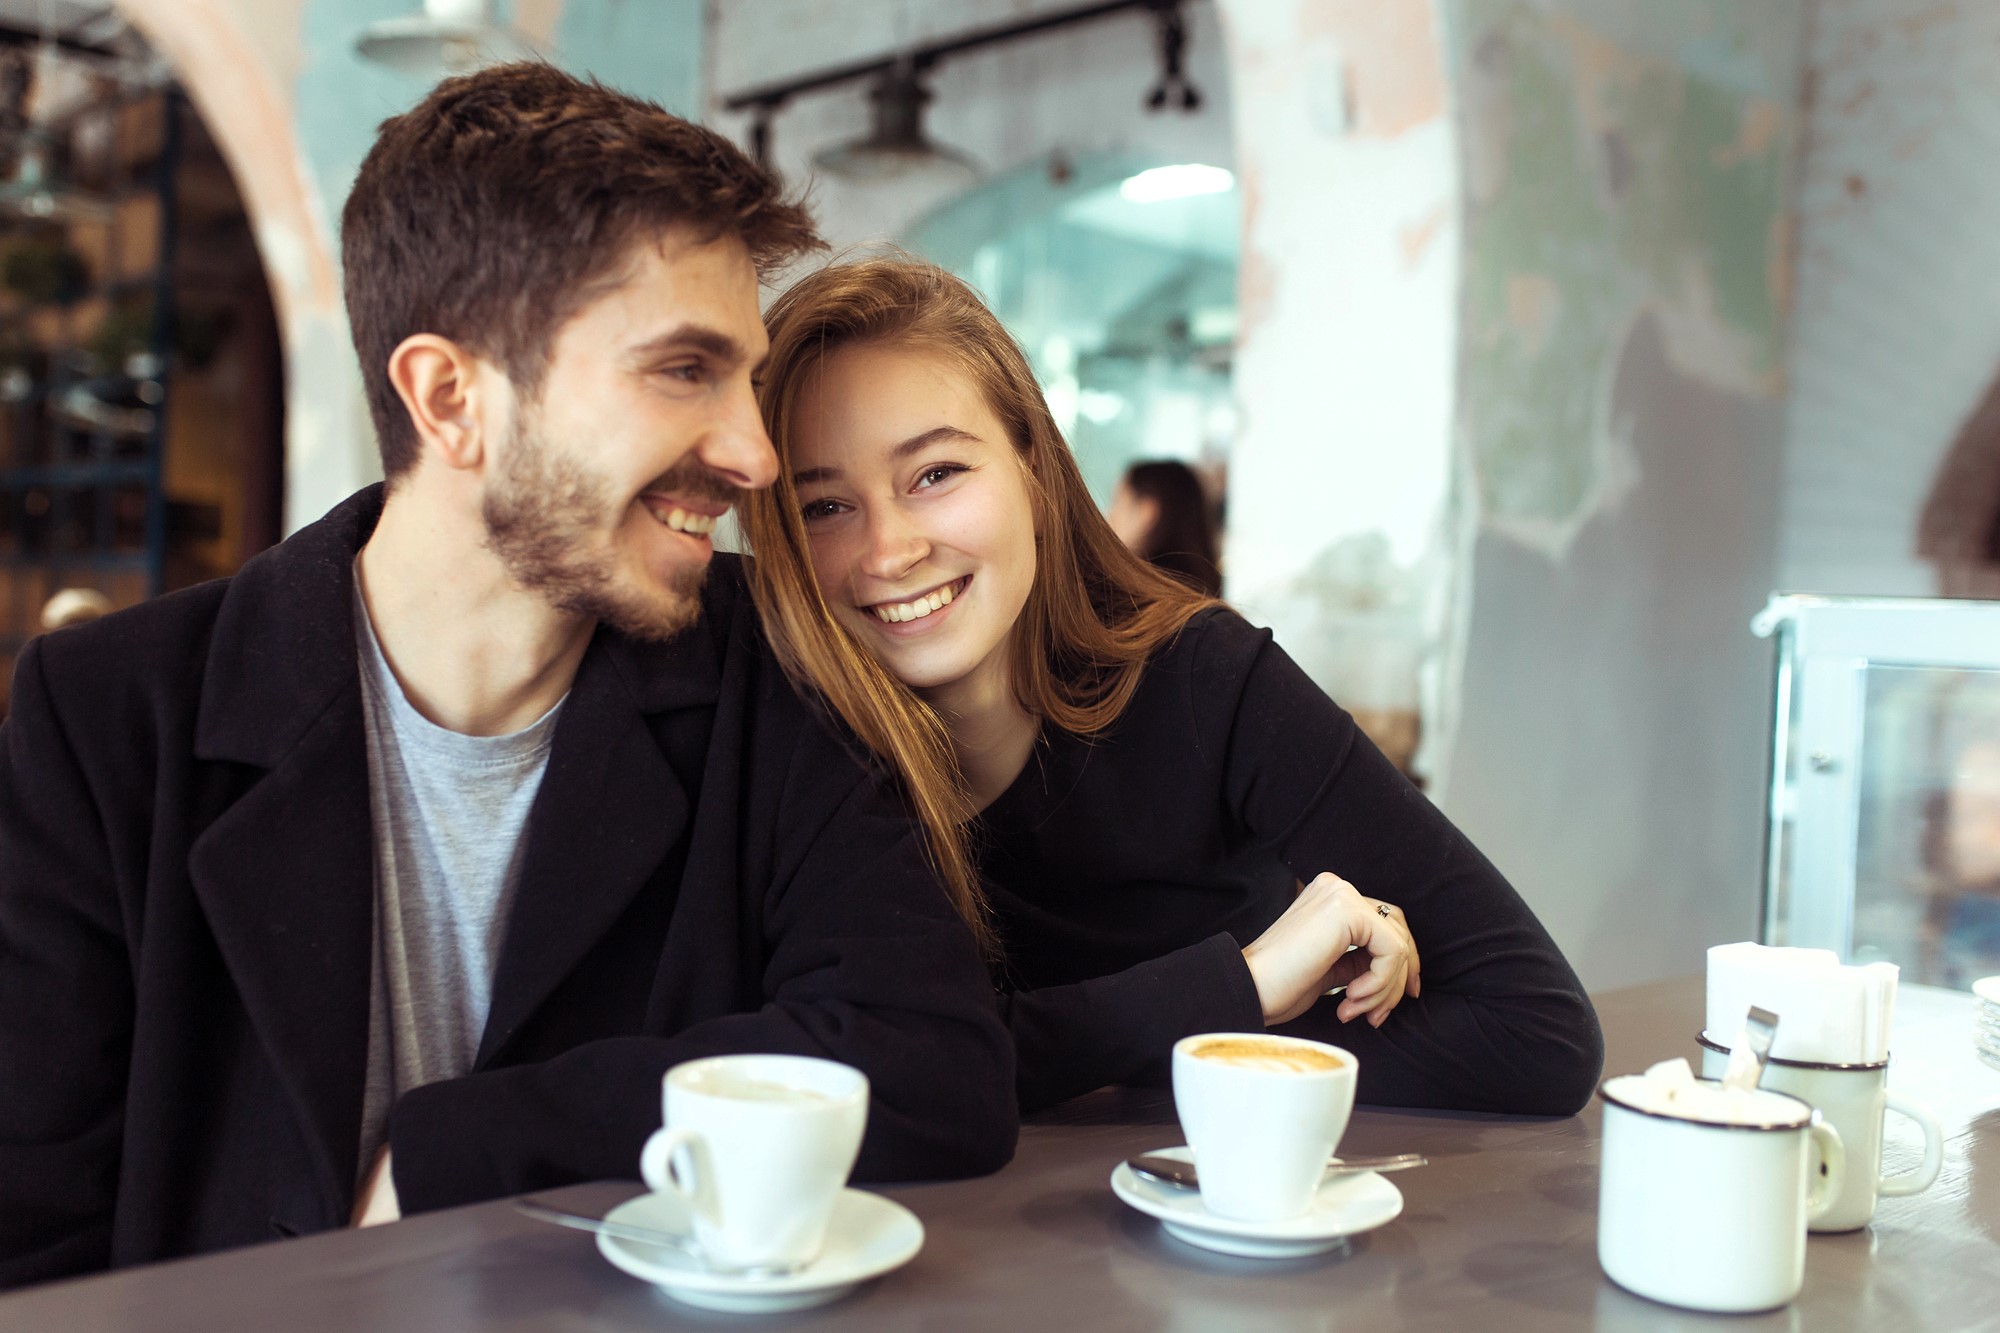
1565 1061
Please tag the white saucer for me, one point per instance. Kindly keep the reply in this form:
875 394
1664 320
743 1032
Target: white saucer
1344 1206
867 1236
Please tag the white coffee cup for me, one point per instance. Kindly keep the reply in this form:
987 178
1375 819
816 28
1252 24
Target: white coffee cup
1262 1114
1853 1099
759 1146
1709 1215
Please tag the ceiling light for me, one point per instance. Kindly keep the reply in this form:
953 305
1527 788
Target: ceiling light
895 145
449 37
1184 181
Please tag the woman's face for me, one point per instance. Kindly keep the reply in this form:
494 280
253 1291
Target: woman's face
916 513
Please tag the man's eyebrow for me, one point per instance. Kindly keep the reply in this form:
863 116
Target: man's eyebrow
915 444
694 338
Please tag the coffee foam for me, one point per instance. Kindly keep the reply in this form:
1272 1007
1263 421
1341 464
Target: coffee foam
1671 1089
1275 1057
738 1087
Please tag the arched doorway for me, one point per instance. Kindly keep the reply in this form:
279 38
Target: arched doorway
141 381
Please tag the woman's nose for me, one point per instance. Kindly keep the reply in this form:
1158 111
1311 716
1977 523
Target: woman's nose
895 546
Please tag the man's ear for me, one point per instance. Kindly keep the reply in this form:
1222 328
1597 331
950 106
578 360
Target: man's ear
448 399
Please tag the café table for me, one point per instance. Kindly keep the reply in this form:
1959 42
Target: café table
1499 1232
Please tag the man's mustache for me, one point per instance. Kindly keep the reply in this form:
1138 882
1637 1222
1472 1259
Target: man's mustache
693 479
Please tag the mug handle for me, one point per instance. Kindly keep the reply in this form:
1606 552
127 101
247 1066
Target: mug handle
660 1171
1921 1179
1825 1191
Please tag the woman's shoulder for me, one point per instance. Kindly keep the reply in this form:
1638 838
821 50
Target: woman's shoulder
1215 638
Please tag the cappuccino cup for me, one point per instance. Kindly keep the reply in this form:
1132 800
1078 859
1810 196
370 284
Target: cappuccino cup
759 1148
1853 1098
1262 1114
1704 1193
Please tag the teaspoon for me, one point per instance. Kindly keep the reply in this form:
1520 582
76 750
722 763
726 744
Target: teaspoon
644 1235
1171 1172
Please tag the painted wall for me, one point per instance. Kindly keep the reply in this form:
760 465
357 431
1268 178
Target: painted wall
1345 362
1897 330
1628 171
294 110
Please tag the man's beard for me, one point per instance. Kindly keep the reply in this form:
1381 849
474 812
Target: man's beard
547 517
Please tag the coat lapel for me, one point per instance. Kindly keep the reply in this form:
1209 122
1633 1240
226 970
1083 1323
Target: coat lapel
609 810
286 878
285 874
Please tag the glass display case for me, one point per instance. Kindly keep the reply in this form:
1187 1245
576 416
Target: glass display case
1885 793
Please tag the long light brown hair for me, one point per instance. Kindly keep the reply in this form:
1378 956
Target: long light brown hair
1095 612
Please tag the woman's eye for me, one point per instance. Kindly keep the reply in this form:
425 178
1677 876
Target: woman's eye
818 509
931 476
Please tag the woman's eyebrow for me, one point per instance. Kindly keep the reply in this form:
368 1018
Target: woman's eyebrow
915 444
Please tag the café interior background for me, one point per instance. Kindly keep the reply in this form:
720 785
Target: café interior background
1536 342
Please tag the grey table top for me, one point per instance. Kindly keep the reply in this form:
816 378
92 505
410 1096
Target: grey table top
1498 1233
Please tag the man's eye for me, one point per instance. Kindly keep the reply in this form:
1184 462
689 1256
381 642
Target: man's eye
932 476
687 372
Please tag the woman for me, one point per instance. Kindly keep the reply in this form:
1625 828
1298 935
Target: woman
1129 776
1162 514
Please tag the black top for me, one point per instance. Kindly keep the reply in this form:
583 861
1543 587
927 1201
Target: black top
1128 870
186 907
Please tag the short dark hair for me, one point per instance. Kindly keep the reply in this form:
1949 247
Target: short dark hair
491 211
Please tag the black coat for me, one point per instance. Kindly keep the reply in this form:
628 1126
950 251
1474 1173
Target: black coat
186 915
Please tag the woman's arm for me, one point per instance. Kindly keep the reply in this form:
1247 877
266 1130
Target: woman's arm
1501 1022
1119 1028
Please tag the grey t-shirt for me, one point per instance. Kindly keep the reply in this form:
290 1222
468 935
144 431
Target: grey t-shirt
448 811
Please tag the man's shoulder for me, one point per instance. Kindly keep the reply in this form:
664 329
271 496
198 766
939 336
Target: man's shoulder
153 642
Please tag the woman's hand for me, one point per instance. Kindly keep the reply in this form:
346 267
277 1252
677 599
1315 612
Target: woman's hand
1306 953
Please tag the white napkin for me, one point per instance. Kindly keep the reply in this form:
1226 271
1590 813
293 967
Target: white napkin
1827 1011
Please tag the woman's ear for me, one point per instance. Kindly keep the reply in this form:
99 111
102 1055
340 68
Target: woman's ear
442 390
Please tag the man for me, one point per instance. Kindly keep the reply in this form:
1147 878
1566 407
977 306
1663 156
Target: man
396 870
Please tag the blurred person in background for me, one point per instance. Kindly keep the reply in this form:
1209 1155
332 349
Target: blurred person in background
1163 515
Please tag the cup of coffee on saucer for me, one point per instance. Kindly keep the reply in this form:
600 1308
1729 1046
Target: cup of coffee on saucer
1263 1114
759 1147
751 1166
1705 1190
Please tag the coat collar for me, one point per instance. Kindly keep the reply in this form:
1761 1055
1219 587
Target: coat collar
285 873
283 647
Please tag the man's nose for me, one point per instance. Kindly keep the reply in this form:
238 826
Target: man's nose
737 446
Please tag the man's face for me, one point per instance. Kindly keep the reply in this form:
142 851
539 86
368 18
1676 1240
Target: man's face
603 493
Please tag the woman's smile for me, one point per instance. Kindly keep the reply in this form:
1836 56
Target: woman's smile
920 614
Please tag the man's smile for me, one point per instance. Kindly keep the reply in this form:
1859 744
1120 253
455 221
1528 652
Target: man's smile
696 518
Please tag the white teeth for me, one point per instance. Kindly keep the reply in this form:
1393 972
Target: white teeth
891 614
680 520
